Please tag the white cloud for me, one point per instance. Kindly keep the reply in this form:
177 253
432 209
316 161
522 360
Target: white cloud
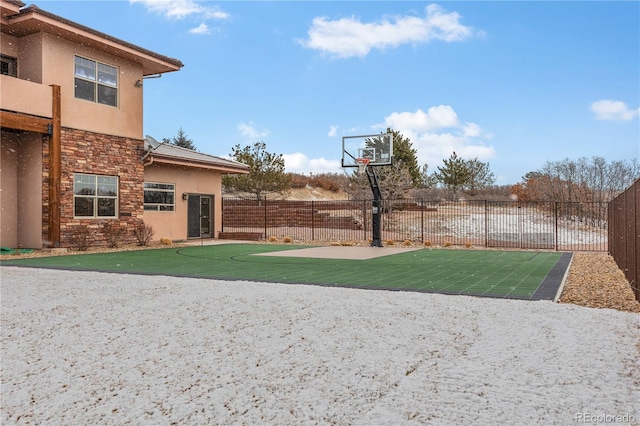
436 117
181 9
349 37
471 130
201 29
613 110
332 131
248 130
300 163
436 134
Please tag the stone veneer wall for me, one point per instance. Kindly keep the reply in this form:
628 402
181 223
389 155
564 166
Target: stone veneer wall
94 153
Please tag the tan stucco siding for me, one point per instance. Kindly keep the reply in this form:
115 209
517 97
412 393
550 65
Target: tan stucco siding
30 190
30 58
9 193
21 195
9 45
173 225
123 120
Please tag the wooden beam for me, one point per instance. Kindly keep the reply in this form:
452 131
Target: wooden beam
15 121
55 168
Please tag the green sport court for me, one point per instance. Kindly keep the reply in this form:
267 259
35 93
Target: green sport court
503 274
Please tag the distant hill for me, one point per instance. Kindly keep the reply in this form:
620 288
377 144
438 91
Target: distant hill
316 194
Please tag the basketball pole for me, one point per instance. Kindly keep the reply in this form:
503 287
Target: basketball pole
376 211
367 148
376 207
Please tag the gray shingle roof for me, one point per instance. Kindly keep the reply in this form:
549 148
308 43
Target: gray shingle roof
168 151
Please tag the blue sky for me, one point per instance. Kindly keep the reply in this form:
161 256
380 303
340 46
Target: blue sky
515 84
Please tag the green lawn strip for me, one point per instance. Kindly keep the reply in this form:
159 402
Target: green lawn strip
489 273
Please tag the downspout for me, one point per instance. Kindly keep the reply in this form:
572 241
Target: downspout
147 154
144 157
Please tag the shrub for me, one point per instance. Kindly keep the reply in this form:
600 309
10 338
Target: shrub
407 242
468 244
81 238
298 180
329 181
447 244
273 239
326 181
143 233
287 239
113 233
428 243
389 242
166 241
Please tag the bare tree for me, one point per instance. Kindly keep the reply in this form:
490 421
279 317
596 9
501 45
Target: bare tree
580 180
395 182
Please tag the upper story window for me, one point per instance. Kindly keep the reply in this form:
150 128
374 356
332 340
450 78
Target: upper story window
8 66
96 82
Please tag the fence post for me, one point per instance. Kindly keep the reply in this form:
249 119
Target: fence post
222 215
422 221
265 218
313 222
486 224
555 216
365 218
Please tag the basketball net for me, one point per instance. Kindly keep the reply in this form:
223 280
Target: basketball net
362 164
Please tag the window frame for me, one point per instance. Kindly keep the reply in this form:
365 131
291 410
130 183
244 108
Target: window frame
89 73
12 65
95 185
160 207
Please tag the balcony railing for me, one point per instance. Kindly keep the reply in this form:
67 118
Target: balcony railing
25 97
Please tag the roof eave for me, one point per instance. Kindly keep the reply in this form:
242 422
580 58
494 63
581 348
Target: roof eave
223 168
33 19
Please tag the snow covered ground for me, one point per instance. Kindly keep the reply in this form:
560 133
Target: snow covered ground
95 348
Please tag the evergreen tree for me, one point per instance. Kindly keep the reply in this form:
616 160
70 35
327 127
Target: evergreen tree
454 174
181 140
427 180
266 172
480 176
405 154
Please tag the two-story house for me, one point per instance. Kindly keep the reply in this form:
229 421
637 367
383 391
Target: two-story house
72 149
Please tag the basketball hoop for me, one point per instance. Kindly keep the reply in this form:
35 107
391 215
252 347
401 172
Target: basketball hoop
362 164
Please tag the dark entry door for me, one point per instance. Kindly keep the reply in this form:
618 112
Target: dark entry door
200 216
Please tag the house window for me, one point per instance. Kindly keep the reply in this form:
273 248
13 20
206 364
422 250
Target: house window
8 66
159 196
96 82
95 196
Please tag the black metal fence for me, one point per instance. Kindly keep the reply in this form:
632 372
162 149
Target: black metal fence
507 224
624 234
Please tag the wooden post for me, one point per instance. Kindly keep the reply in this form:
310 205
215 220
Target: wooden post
55 172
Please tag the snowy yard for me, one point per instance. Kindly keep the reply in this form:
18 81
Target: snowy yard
95 348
